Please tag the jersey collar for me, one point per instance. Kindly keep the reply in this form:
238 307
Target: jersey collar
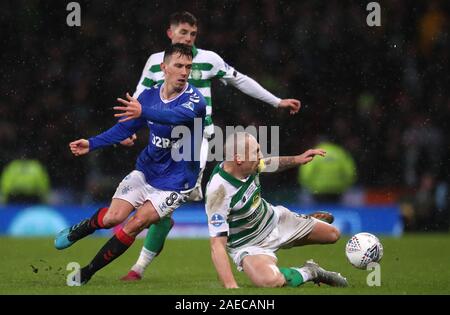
229 178
172 99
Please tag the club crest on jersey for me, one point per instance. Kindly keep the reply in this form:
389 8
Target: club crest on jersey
196 74
217 220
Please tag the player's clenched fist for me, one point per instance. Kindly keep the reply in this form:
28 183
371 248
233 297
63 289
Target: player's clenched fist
79 147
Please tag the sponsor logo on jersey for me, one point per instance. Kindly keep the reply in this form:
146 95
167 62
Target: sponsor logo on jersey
161 142
217 220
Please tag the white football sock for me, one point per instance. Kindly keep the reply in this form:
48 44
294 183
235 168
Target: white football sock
145 258
306 275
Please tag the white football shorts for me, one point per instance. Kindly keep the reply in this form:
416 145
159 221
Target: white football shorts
135 189
291 227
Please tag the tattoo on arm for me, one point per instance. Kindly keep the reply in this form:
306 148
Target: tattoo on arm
284 162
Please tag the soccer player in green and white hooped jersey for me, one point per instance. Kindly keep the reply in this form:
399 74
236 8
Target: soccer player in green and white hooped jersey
241 222
206 66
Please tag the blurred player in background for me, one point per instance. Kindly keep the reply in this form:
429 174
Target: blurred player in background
207 65
159 184
241 222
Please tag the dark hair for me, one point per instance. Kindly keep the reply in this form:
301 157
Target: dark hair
182 17
181 49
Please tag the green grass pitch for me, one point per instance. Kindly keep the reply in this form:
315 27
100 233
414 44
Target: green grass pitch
412 264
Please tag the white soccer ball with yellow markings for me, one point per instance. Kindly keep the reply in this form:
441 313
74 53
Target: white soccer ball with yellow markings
363 249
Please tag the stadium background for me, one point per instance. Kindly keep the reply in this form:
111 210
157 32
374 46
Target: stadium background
380 92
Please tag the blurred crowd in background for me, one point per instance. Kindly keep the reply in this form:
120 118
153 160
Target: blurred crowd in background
382 93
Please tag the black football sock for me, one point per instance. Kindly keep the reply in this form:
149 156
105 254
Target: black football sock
88 226
115 247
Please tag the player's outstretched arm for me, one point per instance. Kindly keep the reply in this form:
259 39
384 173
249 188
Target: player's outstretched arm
116 134
252 88
281 163
79 147
221 263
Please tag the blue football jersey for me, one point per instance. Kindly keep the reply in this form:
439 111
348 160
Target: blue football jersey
161 170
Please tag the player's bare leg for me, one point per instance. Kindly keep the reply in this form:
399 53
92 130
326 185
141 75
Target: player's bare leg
121 241
263 271
322 233
144 216
104 218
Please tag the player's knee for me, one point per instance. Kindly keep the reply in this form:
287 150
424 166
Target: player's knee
113 218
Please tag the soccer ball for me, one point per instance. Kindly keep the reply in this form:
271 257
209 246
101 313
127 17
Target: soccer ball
362 249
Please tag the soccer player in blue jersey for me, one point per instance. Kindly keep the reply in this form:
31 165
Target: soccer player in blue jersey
160 183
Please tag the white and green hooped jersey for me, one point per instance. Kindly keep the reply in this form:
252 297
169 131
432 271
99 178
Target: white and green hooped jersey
206 66
235 209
